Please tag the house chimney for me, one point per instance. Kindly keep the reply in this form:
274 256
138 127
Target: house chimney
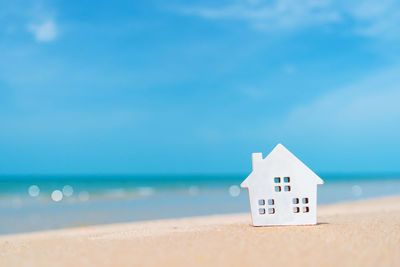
257 158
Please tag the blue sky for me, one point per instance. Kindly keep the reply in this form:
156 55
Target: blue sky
196 86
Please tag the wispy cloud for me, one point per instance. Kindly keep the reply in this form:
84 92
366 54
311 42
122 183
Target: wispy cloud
364 110
37 18
45 31
372 18
270 15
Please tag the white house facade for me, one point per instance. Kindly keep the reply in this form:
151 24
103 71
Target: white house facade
282 190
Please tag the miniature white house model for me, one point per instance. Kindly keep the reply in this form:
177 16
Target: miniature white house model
282 190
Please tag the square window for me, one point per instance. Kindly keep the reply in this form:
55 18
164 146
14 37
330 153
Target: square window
286 179
261 211
305 200
287 188
306 209
261 202
271 211
277 179
271 202
295 200
296 209
277 189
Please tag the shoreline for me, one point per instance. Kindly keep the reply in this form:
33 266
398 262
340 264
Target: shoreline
350 233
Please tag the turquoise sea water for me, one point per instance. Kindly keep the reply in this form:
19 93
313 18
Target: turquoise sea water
33 203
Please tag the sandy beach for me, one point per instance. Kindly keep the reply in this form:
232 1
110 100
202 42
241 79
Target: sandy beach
364 233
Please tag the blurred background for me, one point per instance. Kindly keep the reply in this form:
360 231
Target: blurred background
115 111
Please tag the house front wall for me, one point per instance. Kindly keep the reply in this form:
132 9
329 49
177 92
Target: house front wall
284 198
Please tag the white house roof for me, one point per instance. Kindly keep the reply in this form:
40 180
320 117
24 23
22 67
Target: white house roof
279 155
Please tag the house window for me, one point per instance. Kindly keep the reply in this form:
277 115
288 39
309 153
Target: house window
271 211
282 184
303 206
271 203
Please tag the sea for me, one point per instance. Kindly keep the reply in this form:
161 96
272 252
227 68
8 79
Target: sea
37 203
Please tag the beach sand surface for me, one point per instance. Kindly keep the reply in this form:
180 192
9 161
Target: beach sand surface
364 233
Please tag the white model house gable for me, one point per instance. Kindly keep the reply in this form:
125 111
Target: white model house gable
279 163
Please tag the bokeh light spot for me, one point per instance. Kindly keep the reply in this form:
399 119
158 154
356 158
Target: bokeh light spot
234 190
356 190
56 195
34 190
68 190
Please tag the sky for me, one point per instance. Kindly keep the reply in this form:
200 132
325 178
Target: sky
175 87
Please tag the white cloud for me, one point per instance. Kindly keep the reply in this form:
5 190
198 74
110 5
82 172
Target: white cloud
364 17
45 31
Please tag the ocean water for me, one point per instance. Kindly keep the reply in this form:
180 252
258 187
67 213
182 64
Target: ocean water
34 203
